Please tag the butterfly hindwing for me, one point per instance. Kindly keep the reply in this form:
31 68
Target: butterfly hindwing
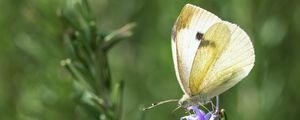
235 63
216 70
211 47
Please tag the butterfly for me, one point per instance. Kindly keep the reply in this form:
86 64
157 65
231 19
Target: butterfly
210 55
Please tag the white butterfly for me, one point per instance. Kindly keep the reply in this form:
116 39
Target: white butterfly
210 55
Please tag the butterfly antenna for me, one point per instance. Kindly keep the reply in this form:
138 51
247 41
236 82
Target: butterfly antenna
159 103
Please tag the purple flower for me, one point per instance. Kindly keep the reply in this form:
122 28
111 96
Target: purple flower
198 114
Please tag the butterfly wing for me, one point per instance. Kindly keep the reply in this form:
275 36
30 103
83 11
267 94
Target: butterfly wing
209 50
216 70
192 20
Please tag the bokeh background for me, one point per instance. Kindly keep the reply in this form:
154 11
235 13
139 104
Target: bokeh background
33 85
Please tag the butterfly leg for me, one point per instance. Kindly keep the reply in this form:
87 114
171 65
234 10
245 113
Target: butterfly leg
212 105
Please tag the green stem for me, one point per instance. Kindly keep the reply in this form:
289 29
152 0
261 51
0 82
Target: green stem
120 101
104 76
75 73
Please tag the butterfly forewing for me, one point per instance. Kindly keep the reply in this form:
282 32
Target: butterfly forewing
186 34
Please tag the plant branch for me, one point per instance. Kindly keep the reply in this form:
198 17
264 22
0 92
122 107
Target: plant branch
88 63
117 36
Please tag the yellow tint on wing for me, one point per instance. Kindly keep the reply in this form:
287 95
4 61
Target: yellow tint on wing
211 46
185 17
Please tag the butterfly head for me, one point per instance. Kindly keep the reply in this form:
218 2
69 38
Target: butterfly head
187 101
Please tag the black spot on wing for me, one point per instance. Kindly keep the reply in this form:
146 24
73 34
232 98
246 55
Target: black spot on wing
199 36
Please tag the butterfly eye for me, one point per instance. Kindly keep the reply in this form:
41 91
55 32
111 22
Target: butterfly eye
199 36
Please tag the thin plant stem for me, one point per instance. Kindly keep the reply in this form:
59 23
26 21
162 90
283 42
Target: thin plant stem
217 104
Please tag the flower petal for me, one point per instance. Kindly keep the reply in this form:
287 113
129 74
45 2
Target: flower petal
214 117
199 114
208 116
189 117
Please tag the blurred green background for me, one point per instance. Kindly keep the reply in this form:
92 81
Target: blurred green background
33 85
